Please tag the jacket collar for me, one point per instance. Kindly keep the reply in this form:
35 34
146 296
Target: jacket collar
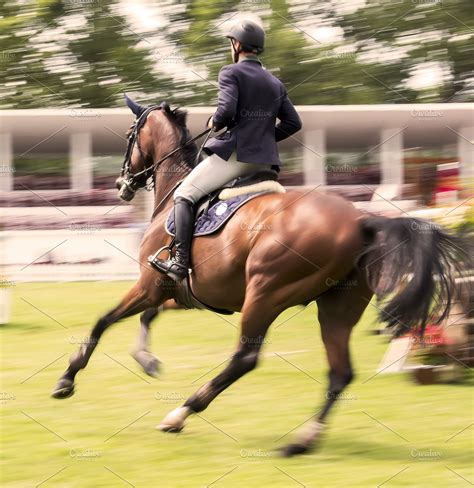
251 57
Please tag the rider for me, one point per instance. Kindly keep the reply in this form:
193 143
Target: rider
250 100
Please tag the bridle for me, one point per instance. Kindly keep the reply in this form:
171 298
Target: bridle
129 183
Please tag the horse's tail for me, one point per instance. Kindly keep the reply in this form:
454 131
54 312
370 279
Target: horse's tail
411 265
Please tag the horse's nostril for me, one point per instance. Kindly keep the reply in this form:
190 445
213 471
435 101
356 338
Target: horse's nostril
119 182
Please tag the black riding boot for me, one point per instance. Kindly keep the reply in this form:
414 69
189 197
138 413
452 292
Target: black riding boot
178 266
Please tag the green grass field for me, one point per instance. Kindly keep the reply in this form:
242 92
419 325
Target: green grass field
385 432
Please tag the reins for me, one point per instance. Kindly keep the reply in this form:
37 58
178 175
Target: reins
174 151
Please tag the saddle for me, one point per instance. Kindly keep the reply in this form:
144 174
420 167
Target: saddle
214 210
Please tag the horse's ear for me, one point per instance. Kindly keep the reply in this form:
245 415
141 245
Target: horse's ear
164 106
136 108
180 115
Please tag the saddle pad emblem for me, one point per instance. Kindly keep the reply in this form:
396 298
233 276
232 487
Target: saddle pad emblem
221 209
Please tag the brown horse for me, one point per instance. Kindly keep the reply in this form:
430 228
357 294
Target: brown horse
279 250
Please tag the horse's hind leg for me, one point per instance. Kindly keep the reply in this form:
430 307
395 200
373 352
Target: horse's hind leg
135 301
141 354
339 310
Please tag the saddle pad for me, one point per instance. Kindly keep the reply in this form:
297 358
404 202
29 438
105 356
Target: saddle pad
215 216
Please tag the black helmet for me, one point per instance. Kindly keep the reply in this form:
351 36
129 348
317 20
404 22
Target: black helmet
250 34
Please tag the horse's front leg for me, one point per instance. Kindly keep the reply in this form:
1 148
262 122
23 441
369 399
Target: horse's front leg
135 301
257 316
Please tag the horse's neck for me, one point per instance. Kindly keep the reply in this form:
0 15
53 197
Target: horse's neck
167 177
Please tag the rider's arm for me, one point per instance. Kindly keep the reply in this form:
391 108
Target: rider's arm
290 121
227 99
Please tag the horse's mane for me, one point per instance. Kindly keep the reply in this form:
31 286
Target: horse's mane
178 116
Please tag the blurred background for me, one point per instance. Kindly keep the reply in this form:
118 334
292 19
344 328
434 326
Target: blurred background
385 91
383 88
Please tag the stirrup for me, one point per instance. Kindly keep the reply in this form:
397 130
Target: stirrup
165 265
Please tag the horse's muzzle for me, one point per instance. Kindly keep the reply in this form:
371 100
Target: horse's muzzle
125 192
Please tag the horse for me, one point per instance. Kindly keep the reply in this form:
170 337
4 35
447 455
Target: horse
313 242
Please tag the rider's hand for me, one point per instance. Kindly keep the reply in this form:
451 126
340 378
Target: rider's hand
210 122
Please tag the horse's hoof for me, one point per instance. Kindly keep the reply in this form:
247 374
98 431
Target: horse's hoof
64 389
174 421
293 450
171 429
149 363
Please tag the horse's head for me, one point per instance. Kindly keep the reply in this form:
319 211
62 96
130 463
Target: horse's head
138 165
135 173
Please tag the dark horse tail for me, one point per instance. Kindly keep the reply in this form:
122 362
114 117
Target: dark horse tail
411 266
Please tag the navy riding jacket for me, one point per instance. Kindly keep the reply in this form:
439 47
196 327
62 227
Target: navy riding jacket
250 100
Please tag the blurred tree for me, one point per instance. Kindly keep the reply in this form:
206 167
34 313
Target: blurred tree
84 53
74 54
409 35
314 72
